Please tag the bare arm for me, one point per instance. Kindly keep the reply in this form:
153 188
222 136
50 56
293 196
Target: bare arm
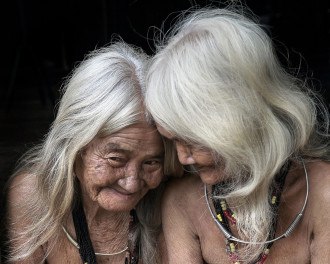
320 213
19 191
181 240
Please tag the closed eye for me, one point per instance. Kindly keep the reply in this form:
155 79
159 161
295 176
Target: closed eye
116 161
153 165
152 162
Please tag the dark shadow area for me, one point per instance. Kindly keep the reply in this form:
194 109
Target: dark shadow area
43 40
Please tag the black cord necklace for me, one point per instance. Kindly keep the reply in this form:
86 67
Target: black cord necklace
84 243
86 249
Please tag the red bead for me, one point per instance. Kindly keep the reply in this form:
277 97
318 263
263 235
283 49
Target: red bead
230 217
262 259
233 257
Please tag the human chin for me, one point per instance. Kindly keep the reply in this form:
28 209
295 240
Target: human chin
209 175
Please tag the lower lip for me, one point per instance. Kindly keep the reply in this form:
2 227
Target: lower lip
118 193
204 168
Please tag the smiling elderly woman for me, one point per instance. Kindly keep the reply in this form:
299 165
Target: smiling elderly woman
73 197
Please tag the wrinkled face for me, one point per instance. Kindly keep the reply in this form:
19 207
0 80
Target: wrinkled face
200 158
117 171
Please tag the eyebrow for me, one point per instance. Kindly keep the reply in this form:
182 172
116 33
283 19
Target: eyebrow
114 147
159 156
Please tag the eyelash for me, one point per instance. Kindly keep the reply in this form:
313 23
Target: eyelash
152 162
115 158
116 161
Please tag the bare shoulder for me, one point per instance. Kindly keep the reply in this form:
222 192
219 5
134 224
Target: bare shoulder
319 209
180 192
180 234
20 188
319 192
20 191
319 180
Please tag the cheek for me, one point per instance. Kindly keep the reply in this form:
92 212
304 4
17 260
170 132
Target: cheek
96 175
210 177
204 159
100 174
154 179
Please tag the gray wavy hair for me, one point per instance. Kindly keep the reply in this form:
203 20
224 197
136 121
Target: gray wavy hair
216 80
103 95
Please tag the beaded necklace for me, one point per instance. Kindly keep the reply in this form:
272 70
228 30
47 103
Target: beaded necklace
225 216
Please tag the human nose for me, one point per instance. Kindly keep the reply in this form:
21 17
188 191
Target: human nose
131 182
184 154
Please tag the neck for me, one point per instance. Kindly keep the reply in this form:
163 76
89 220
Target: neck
112 221
113 226
108 231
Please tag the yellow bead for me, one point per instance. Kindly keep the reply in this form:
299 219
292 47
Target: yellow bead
232 247
273 199
219 217
223 205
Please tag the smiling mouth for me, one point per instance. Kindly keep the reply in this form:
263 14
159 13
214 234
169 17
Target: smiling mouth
121 191
198 169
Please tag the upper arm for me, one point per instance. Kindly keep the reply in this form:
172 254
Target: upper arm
19 190
18 195
320 213
181 240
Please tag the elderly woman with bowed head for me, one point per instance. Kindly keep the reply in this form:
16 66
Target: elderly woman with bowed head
253 140
88 193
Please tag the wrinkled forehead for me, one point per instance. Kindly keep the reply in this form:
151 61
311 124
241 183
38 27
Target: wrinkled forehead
134 138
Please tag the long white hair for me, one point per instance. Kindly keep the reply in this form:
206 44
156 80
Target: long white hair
215 80
103 95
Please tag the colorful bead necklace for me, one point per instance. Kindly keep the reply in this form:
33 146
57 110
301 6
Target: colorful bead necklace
231 238
225 216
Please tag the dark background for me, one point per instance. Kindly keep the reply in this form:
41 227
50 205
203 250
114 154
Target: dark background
42 40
